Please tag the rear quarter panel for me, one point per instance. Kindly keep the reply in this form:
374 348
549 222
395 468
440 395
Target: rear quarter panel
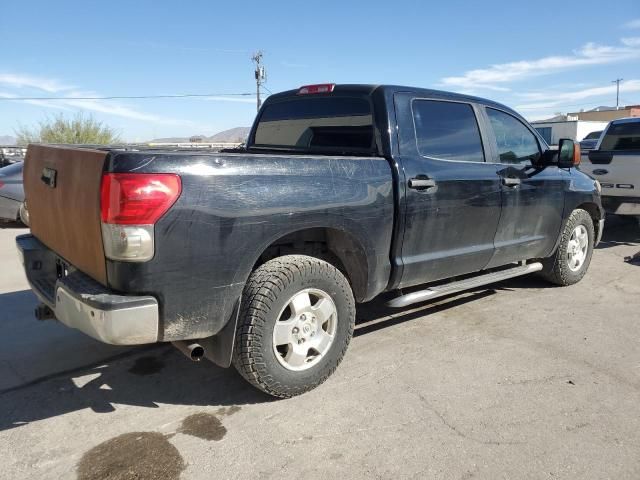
231 208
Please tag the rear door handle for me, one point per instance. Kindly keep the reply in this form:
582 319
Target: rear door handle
511 181
600 171
420 183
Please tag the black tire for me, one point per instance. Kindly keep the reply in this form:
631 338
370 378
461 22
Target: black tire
556 268
266 294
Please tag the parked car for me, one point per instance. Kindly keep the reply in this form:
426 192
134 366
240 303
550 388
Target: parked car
259 258
590 141
615 162
10 155
12 204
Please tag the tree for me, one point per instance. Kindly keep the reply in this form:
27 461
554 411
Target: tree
79 129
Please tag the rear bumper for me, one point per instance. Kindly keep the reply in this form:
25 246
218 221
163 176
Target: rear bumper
80 302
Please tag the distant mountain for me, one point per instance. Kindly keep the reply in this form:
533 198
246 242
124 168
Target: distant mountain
233 135
7 140
170 140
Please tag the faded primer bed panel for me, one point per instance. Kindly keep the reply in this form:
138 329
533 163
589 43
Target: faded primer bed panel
67 218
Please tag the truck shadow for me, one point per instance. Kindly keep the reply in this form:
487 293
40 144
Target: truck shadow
620 231
154 376
12 225
159 374
375 315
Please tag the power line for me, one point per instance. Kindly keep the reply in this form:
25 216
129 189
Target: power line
125 97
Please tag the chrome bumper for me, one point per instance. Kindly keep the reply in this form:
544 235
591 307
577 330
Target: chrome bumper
82 303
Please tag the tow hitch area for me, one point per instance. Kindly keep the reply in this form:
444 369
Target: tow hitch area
43 312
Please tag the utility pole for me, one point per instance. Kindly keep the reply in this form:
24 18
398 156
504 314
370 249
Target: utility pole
260 74
617 82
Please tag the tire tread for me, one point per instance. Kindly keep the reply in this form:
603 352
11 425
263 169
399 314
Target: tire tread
262 290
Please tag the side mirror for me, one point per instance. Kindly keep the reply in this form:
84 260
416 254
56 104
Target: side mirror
568 153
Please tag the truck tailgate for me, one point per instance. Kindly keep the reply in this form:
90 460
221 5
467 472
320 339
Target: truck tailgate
62 190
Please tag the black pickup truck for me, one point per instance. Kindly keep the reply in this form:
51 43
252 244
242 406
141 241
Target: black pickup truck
257 257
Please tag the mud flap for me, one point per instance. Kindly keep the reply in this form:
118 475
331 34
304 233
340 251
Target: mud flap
219 347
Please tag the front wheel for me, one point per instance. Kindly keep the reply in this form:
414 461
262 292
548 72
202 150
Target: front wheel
572 258
296 320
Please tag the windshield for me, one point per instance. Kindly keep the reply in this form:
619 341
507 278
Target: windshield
622 136
317 124
593 136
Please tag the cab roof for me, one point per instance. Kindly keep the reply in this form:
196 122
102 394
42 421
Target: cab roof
370 89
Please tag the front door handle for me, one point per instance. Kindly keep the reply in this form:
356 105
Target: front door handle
421 183
600 171
511 181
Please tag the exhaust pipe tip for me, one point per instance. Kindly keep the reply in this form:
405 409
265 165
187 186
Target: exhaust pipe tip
193 351
196 352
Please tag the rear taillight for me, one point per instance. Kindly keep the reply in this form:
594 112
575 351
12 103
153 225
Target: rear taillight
130 205
137 198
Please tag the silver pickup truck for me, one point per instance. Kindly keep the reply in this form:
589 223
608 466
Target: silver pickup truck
615 163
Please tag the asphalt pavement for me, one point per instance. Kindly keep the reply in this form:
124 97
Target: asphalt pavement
517 380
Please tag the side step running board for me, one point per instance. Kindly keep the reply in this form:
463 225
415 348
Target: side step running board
467 284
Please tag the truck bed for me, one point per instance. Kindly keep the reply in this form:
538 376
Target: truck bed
233 206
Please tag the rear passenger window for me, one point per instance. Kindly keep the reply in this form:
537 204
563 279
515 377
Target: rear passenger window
516 143
447 130
622 136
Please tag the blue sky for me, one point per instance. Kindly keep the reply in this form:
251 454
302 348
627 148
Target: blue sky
538 57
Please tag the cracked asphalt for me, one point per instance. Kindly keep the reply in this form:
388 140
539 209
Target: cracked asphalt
517 380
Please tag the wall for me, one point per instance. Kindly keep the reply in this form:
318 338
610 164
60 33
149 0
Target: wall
585 128
559 130
607 115
575 130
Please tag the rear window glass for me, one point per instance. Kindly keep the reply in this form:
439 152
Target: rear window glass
332 124
593 136
447 130
622 136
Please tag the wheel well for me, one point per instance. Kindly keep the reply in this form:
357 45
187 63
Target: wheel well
340 249
594 212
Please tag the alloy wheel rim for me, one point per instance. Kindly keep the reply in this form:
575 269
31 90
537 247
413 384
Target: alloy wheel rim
577 248
305 329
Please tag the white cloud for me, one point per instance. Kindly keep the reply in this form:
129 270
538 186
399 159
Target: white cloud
633 23
27 81
631 41
546 100
20 82
589 54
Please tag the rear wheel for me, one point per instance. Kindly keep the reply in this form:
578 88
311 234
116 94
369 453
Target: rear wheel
296 321
572 258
